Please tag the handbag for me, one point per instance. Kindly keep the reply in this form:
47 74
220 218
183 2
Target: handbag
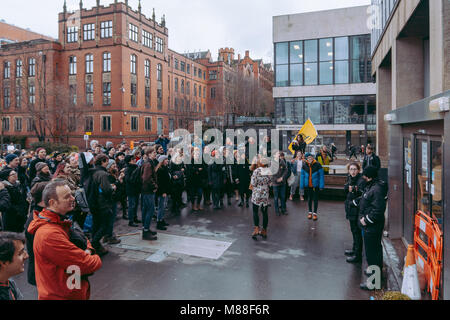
291 180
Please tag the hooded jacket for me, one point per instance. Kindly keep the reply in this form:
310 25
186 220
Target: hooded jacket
313 173
372 205
101 179
54 253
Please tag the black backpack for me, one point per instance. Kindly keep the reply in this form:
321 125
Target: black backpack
92 191
136 179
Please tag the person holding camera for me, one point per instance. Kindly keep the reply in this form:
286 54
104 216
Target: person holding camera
353 189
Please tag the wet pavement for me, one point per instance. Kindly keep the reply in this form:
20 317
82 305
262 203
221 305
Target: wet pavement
210 255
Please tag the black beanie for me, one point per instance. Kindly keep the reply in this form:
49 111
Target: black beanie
370 172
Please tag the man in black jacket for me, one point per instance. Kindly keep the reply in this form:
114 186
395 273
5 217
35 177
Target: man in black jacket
103 208
132 189
371 217
371 159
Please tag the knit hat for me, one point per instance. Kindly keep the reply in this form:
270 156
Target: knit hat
4 174
10 157
308 154
111 162
40 165
370 172
38 150
162 158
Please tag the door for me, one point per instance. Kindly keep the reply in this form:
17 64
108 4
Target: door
408 203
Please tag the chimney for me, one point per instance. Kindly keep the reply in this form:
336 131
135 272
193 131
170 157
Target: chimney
247 54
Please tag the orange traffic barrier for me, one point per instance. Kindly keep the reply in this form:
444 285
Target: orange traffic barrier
437 242
435 278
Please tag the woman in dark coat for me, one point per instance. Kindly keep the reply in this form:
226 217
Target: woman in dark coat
216 177
15 216
195 180
353 189
163 179
243 175
24 177
42 173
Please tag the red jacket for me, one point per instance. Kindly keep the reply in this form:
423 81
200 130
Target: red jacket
54 253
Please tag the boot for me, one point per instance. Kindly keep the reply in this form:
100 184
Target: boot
194 207
99 249
241 204
147 235
264 233
255 233
124 216
160 226
113 240
136 220
165 223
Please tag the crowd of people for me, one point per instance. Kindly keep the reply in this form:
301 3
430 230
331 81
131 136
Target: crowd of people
46 200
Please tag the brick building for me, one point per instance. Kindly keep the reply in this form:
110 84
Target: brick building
110 73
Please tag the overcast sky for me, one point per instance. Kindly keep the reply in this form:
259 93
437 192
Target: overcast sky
193 24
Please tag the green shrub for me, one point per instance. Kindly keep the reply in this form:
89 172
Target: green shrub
395 295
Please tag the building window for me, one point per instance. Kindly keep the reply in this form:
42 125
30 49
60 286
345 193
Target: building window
147 39
133 64
183 66
72 65
19 66
341 68
176 84
30 125
72 125
326 61
31 67
89 63
182 105
147 96
176 64
134 33
281 64
32 94
134 123
160 126
89 124
188 68
107 93
106 123
159 44
195 71
182 86
360 59
72 34
18 97
204 92
200 73
6 98
106 62
176 104
171 125
133 94
7 70
89 32
147 69
148 124
311 57
159 72
18 124
195 89
89 94
188 88
213 93
159 97
5 123
106 29
213 75
73 94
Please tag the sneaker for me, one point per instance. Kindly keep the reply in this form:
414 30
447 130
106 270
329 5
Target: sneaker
161 226
165 223
310 216
315 217
100 250
146 235
132 224
263 234
114 240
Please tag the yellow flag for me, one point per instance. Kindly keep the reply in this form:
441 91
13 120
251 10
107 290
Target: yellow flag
308 132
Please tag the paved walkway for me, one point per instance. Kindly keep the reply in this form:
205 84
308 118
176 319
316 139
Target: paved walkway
301 259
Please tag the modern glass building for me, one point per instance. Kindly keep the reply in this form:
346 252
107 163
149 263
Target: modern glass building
323 72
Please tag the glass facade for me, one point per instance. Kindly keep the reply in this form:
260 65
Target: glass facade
326 61
381 11
327 110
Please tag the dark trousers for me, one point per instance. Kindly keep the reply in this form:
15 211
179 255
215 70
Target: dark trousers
279 192
207 194
217 197
196 195
177 199
264 215
313 195
133 202
245 192
357 237
100 224
372 244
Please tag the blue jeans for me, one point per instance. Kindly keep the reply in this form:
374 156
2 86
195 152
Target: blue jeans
161 207
132 207
279 192
148 209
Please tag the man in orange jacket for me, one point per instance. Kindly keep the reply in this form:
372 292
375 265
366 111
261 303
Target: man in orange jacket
61 266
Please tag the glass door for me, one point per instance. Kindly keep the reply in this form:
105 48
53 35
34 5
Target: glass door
436 181
408 203
422 172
